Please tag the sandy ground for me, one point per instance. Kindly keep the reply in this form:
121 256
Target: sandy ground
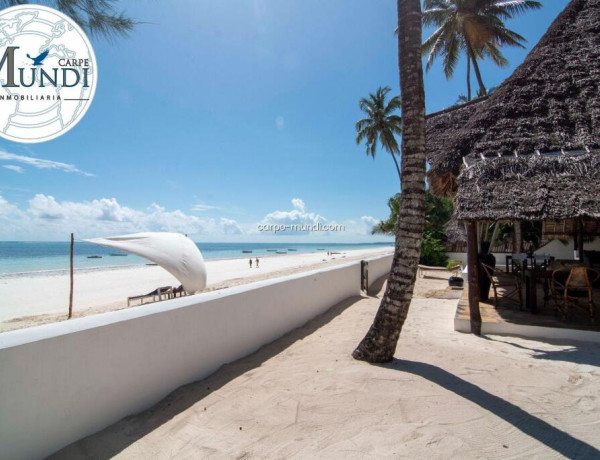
446 395
34 300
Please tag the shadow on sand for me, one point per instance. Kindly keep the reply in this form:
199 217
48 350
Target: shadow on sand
117 437
376 287
556 439
573 351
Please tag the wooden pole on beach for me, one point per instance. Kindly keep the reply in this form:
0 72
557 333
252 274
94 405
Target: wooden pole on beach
71 281
473 274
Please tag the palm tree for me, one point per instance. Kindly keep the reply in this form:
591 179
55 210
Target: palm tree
98 17
381 123
388 226
473 26
380 342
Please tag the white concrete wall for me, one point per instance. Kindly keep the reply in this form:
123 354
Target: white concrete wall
379 267
462 256
61 382
564 251
532 332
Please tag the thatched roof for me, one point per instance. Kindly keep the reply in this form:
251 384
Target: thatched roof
550 102
530 188
441 128
455 231
565 229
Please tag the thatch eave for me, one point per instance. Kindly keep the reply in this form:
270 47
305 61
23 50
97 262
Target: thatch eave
530 188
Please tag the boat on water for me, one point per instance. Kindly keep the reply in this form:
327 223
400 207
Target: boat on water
94 257
117 255
280 252
271 250
247 252
320 249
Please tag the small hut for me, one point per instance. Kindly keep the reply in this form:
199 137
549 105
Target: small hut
531 150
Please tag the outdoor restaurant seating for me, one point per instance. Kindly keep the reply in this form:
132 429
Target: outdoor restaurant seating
505 285
570 286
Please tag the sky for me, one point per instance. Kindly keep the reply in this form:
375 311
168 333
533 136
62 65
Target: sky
216 116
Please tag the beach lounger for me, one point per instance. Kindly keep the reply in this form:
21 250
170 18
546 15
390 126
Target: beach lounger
178 292
165 291
423 268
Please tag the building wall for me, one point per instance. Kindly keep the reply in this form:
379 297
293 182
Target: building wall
556 248
63 381
564 250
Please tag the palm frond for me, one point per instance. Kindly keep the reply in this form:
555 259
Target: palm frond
98 17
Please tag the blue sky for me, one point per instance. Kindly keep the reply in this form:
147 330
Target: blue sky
214 115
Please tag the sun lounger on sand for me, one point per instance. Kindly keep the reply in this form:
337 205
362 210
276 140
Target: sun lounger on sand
424 268
165 291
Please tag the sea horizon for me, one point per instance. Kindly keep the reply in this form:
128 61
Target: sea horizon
24 258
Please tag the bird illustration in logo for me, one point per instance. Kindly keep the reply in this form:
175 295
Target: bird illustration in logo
38 60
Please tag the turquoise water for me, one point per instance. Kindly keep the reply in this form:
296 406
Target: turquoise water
24 257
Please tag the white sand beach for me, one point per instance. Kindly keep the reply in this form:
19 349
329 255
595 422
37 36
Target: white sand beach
38 299
447 395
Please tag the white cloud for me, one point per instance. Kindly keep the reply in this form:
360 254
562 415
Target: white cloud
7 209
369 222
42 164
297 216
202 207
14 168
230 227
44 218
280 123
298 204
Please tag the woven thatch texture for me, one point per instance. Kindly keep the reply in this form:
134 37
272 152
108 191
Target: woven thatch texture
455 231
530 188
551 101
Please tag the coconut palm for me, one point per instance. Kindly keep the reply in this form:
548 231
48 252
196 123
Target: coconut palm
472 26
380 342
381 124
388 226
98 17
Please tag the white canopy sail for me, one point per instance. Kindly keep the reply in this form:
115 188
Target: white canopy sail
174 252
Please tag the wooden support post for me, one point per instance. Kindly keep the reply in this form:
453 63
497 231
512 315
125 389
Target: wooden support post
518 237
494 235
580 239
71 281
473 269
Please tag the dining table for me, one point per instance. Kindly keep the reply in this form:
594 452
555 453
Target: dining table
532 275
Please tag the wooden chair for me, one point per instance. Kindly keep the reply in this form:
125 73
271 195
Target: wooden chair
569 286
510 283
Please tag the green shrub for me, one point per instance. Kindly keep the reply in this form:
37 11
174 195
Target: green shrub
453 263
433 251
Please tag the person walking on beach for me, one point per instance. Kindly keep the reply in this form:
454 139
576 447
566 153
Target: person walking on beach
257 262
250 263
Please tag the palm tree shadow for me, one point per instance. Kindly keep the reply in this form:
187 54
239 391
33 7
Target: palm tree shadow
578 352
554 438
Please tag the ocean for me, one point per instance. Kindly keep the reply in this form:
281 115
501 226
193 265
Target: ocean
23 258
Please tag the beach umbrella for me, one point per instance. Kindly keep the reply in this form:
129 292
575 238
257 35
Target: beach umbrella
174 252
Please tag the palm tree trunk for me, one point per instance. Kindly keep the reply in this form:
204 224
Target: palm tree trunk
471 55
380 342
468 78
397 168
